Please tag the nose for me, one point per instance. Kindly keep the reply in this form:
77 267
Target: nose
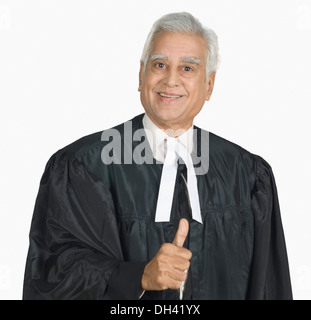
172 78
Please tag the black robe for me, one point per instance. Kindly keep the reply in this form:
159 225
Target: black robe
93 228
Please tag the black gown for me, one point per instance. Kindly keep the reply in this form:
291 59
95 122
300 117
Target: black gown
93 228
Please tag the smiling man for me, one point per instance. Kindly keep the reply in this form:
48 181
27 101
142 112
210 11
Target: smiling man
129 213
173 82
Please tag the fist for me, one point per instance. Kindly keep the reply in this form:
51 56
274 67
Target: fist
167 269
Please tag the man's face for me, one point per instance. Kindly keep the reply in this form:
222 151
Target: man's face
173 85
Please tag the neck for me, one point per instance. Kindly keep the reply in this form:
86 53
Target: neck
172 130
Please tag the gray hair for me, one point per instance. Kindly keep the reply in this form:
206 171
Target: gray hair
184 22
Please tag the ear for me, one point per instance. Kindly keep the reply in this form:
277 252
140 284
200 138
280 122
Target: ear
141 73
210 85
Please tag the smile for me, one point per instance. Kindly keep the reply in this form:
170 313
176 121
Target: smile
168 96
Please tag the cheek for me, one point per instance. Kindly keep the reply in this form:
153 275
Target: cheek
195 90
149 87
146 93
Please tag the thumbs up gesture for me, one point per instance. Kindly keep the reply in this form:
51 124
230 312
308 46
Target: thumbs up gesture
181 233
167 269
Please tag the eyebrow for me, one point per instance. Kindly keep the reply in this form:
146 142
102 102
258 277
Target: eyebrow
157 57
191 60
183 59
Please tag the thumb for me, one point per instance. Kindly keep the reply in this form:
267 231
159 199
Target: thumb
181 233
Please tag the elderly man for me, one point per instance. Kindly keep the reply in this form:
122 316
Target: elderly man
157 208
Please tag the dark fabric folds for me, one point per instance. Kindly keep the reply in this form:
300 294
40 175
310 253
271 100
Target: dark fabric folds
74 239
269 278
93 228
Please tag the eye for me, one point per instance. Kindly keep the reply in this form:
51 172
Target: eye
187 68
160 65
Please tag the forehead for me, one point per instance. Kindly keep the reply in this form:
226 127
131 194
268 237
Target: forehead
179 45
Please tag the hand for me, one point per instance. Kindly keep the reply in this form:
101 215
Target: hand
167 269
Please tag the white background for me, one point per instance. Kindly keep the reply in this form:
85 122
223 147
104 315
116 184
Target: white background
70 68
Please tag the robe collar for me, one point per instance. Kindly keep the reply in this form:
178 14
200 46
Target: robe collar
157 136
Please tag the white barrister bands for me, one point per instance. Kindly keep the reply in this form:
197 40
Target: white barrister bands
168 179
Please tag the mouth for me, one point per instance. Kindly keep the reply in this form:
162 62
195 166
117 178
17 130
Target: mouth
170 96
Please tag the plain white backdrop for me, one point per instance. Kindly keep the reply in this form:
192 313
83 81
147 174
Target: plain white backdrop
70 68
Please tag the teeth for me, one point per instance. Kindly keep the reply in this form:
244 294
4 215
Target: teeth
168 96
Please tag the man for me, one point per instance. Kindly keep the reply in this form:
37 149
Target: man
157 208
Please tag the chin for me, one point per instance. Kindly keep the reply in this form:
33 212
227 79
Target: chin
168 116
170 120
169 113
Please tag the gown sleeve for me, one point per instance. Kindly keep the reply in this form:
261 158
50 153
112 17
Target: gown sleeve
269 276
75 250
